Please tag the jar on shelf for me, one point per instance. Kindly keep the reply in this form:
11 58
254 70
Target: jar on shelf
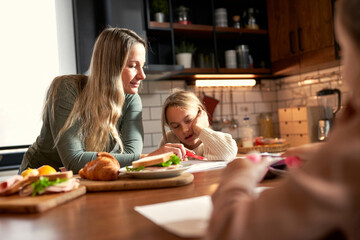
252 21
243 56
236 20
183 15
221 17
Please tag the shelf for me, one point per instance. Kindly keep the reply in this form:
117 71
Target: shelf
199 70
193 30
245 70
241 30
160 25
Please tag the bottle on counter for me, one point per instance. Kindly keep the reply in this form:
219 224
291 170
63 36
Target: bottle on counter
266 125
246 133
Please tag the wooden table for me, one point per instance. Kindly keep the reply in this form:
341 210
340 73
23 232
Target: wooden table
106 215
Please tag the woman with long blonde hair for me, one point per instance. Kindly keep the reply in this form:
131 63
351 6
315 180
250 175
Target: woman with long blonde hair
84 115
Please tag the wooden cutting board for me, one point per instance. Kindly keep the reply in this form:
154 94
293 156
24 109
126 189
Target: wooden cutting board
36 204
128 183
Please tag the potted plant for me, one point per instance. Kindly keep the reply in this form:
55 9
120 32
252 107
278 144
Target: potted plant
161 9
184 52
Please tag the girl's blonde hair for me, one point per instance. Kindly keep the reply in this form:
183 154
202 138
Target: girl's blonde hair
100 95
181 99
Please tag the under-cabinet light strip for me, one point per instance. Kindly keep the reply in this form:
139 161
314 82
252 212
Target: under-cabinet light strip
225 83
222 76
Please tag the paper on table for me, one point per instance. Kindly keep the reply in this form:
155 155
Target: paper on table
185 218
199 166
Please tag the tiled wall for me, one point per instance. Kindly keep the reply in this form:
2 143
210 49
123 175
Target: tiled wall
264 98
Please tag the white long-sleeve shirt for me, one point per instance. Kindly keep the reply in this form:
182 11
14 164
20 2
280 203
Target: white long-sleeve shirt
214 145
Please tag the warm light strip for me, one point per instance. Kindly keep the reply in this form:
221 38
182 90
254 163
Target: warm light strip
222 76
225 83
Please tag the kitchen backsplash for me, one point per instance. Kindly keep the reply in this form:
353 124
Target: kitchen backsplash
267 97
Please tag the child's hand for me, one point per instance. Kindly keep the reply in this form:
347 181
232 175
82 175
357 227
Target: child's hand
200 122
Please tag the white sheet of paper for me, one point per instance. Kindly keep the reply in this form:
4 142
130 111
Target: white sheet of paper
200 166
186 218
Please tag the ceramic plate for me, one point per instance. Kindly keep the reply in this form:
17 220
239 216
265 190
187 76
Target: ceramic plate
156 173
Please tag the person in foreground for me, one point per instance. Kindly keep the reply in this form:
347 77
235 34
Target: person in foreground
188 121
84 115
320 199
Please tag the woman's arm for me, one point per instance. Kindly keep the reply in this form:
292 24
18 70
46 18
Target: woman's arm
71 148
302 207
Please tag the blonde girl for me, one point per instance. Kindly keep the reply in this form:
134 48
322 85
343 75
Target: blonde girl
188 122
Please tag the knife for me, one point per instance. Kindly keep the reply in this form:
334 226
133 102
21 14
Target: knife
193 155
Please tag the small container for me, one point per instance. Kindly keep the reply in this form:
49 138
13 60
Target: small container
236 20
230 59
246 133
243 56
221 17
266 125
182 13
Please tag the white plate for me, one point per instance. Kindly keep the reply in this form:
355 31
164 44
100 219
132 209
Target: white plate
156 173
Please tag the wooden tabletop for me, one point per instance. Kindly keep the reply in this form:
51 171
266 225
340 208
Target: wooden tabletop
105 215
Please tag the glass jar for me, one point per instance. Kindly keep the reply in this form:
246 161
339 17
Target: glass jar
266 125
182 13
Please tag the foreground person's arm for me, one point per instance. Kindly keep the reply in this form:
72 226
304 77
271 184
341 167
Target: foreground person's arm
321 197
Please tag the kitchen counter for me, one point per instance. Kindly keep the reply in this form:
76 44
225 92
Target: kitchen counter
107 215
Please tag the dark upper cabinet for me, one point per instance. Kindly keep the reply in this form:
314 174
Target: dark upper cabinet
301 34
211 41
92 16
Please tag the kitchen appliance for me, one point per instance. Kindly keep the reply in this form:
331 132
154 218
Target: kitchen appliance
330 100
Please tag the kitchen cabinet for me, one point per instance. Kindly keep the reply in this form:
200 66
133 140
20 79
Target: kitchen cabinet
301 34
299 125
210 41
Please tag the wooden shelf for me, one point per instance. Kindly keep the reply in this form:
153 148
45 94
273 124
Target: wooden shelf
245 70
192 27
159 25
199 70
241 30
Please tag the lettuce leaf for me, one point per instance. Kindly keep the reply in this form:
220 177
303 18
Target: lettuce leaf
40 185
130 169
174 160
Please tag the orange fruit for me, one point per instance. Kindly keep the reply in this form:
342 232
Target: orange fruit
30 172
46 170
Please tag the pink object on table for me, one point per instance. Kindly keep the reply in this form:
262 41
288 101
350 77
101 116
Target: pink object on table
193 155
293 162
254 157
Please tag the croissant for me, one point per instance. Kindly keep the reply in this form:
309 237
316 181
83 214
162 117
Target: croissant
104 168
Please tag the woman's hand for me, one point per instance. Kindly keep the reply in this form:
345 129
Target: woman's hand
201 121
176 148
251 162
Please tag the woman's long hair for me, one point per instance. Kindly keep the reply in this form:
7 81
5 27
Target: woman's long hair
99 104
181 99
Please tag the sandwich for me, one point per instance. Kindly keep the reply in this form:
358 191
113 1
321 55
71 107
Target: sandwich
163 161
32 184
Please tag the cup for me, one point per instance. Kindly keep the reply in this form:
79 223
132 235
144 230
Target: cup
243 54
221 17
230 59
